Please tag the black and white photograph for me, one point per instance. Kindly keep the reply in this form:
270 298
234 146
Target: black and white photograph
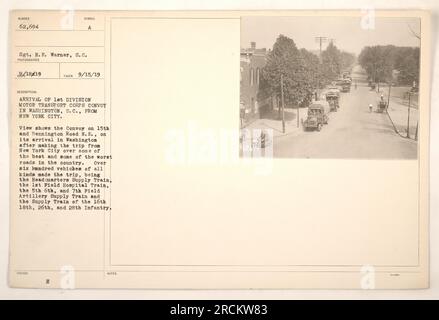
330 87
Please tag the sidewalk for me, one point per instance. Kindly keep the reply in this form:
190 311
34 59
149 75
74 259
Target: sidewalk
270 121
398 111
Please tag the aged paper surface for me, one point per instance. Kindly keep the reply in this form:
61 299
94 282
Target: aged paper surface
130 161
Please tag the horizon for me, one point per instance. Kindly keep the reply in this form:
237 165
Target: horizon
346 32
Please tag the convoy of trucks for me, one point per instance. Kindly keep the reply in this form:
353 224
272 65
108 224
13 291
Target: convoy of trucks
318 111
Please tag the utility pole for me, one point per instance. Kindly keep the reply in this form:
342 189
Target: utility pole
320 40
408 117
278 105
388 98
283 104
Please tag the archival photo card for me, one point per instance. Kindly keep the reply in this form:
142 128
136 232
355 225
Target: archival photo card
132 166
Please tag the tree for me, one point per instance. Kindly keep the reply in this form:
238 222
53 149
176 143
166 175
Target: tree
312 64
377 62
407 64
331 62
347 60
417 35
380 62
287 60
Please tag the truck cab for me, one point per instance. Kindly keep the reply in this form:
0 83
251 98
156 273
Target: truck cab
316 118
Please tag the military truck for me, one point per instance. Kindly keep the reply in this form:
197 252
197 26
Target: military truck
332 98
347 75
317 116
346 88
339 82
335 89
346 85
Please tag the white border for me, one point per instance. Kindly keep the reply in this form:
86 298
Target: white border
8 293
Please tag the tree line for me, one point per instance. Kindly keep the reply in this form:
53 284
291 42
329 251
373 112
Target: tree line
391 63
302 71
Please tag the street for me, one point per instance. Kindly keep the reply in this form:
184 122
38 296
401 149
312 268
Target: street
352 132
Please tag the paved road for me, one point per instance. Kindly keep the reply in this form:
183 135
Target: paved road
352 132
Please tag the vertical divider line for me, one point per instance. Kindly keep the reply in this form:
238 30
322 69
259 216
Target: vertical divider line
105 144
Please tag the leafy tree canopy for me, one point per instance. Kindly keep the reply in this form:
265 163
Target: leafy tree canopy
295 66
380 62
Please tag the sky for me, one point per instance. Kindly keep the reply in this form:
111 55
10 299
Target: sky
347 32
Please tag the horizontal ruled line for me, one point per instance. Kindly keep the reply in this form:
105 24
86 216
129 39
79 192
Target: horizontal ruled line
57 62
34 30
44 46
227 271
59 78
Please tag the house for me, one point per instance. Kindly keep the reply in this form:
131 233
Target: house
252 62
